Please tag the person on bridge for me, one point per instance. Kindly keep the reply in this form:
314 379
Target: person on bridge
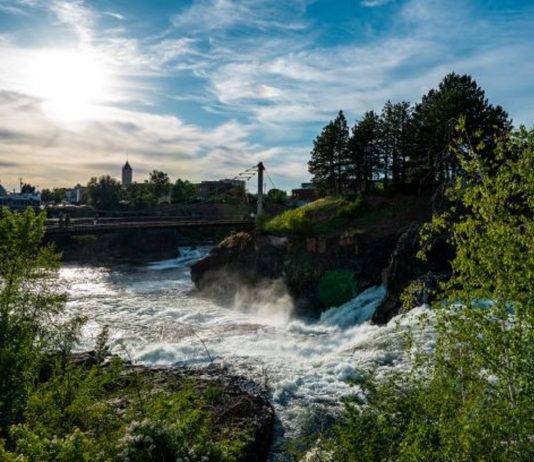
95 219
67 220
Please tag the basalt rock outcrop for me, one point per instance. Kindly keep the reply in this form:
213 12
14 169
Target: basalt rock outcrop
250 259
404 268
240 259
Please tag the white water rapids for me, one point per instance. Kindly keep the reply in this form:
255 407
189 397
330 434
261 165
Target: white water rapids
307 365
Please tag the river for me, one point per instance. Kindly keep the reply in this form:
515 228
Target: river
307 365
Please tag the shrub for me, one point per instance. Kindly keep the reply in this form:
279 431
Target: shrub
336 287
470 397
52 410
353 209
291 222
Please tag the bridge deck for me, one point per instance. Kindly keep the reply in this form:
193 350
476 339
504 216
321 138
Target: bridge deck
75 228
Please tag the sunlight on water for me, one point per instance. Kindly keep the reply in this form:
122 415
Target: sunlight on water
307 366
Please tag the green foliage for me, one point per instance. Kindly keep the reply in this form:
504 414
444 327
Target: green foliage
471 397
276 196
336 287
52 409
261 221
432 162
395 141
107 413
159 184
104 193
290 222
140 196
27 189
183 191
364 153
404 147
411 295
352 209
306 220
329 155
28 317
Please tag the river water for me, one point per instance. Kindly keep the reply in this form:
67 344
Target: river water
307 365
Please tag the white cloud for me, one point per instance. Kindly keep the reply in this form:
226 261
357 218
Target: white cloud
76 15
375 3
220 15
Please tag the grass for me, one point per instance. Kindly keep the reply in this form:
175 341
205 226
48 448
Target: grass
322 216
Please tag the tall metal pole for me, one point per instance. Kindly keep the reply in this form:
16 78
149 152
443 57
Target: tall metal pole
261 168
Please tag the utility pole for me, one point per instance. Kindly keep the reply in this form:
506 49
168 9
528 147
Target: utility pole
261 168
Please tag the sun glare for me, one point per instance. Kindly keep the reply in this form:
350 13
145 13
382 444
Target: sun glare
70 83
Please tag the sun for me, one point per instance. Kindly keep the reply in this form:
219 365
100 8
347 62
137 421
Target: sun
71 83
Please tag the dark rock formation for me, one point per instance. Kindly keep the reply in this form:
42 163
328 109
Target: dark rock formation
241 258
246 259
404 267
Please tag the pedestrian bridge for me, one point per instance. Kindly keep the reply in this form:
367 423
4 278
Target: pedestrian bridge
86 226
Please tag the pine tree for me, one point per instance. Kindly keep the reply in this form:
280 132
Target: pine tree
364 152
329 157
435 118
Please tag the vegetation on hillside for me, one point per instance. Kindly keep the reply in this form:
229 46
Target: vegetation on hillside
470 398
55 409
322 216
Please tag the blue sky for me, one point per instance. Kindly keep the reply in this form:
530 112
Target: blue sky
203 89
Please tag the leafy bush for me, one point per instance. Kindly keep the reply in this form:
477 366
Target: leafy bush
290 222
27 332
336 287
352 209
54 410
471 397
308 219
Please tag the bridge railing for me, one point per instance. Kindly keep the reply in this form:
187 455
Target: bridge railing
110 221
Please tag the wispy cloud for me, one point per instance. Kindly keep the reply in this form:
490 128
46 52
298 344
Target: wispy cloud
375 3
220 15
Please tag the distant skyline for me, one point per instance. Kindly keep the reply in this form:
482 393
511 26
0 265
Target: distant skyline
204 89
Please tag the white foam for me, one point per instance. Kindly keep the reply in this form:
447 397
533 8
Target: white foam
155 317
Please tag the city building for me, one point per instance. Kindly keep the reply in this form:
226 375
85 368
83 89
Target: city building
74 195
207 189
127 174
306 193
20 202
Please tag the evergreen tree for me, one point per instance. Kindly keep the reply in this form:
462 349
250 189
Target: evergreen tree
435 118
27 189
364 152
328 163
394 140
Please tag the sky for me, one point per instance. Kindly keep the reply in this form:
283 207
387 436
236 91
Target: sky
203 89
